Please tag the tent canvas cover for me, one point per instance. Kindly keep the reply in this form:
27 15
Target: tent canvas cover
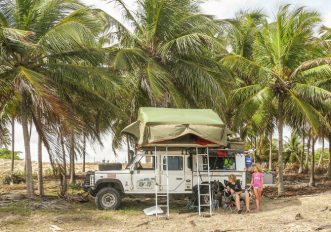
177 127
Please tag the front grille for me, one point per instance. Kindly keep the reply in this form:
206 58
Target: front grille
87 181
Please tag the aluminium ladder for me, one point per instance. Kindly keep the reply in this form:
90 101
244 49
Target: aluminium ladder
208 194
158 183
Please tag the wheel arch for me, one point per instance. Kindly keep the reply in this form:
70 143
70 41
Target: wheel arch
106 182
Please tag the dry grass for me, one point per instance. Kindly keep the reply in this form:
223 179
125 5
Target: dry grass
278 214
19 167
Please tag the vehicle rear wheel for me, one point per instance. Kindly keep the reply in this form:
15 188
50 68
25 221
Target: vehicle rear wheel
108 199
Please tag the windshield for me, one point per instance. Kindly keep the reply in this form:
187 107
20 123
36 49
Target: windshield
134 160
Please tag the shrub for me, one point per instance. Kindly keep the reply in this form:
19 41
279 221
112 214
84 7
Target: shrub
6 154
77 186
15 178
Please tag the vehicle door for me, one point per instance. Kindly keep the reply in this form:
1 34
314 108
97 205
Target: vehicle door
143 176
176 173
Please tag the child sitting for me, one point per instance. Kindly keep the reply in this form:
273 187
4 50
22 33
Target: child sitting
234 187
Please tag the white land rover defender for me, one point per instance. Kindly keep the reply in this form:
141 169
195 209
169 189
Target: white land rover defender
183 147
110 186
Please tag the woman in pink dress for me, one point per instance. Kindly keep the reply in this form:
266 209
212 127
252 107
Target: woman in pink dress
257 185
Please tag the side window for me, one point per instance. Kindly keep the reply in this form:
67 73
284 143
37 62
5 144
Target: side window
189 162
221 163
174 163
146 163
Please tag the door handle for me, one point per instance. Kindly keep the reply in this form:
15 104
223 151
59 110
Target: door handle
179 178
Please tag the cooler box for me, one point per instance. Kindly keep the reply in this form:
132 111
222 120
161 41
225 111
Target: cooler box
268 178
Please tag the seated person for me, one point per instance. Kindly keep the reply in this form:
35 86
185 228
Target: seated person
234 187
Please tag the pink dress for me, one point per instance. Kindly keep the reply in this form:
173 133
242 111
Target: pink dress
257 179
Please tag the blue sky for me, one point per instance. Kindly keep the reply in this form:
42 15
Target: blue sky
221 9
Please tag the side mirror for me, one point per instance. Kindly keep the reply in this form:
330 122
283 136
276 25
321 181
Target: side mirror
131 155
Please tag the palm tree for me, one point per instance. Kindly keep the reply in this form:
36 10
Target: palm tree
48 48
40 169
312 169
326 38
285 58
292 149
303 134
239 33
84 151
329 165
320 160
168 59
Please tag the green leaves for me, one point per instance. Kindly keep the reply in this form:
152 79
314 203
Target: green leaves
50 54
312 115
85 71
287 62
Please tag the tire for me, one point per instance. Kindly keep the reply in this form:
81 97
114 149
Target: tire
108 199
110 166
204 199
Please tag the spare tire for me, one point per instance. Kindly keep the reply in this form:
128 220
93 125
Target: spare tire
110 166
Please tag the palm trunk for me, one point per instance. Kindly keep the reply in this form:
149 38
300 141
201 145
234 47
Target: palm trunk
30 130
321 156
312 171
280 147
12 144
329 166
40 169
308 150
84 152
270 152
251 142
52 164
28 164
72 160
63 174
255 149
128 147
302 152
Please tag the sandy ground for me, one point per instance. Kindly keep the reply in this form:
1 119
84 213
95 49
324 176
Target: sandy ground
302 209
277 215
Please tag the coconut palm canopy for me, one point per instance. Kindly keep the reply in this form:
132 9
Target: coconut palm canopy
286 63
76 73
168 59
51 69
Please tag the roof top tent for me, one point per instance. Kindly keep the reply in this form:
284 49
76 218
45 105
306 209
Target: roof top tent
166 129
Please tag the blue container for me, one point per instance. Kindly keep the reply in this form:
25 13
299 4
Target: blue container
248 161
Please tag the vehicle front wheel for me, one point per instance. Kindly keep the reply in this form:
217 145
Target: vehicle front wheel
108 198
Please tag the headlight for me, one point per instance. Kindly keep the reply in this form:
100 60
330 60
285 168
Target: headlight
92 180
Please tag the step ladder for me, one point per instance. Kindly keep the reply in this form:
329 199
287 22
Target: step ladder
158 184
199 175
